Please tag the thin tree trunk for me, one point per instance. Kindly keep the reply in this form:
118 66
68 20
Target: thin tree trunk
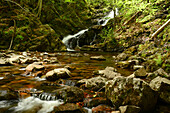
13 35
160 29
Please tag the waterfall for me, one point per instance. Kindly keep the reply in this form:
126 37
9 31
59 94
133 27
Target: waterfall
68 40
111 15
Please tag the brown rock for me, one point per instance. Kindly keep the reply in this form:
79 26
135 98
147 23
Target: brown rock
68 108
140 72
129 109
102 108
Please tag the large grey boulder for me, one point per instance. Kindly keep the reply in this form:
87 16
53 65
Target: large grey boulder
94 83
131 91
57 74
162 85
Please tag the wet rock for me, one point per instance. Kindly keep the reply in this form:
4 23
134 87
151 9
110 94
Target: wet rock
102 108
109 73
57 74
140 72
27 60
35 59
54 60
96 101
133 91
127 64
94 83
162 85
100 58
161 72
46 60
68 108
3 62
34 66
38 74
8 94
129 109
70 94
15 59
122 56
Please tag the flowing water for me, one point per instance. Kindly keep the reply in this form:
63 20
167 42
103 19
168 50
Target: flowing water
13 77
68 40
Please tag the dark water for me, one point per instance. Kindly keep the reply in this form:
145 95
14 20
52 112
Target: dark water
82 67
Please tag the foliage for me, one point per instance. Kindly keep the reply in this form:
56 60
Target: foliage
158 60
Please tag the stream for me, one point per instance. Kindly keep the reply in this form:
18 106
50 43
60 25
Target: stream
82 67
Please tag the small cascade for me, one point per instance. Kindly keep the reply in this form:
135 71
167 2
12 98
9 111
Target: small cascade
35 104
69 40
111 15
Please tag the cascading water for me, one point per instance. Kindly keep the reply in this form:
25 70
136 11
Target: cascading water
68 40
111 15
31 104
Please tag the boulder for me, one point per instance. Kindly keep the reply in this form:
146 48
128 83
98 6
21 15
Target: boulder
34 66
161 72
122 56
57 74
94 83
162 85
69 94
100 58
133 91
140 72
68 108
109 73
129 109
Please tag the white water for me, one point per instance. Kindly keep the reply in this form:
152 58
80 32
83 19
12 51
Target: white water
108 17
101 22
67 38
31 104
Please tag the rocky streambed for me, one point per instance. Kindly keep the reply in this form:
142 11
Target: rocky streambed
80 82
